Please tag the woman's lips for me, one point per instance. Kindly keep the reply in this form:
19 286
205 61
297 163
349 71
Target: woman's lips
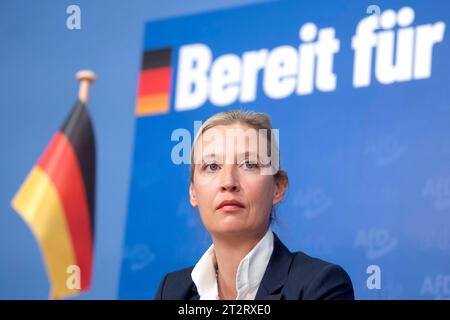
230 206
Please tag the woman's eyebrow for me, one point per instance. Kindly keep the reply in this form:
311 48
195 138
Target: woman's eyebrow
211 156
248 155
239 156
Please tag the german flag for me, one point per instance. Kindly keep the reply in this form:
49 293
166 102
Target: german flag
154 82
57 202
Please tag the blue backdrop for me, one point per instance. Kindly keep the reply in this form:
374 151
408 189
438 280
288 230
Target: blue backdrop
368 161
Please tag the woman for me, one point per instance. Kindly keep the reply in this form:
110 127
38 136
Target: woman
235 188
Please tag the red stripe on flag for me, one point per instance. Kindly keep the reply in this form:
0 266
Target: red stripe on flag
155 80
59 161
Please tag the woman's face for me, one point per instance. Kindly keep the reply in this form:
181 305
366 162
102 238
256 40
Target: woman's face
232 195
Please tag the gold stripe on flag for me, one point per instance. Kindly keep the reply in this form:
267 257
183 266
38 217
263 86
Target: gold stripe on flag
39 204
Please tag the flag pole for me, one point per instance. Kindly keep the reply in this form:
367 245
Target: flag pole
86 77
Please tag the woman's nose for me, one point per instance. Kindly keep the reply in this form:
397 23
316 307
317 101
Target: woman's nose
230 181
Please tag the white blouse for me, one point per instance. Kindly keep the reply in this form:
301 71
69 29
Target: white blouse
248 277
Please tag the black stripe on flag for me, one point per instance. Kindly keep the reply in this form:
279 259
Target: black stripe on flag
157 58
78 130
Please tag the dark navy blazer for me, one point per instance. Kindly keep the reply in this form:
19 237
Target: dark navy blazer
288 276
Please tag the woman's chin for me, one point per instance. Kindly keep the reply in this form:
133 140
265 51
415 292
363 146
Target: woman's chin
231 226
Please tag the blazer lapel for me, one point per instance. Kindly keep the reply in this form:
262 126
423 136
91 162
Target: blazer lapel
276 273
193 295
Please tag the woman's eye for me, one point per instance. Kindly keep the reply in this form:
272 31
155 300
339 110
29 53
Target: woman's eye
211 167
250 165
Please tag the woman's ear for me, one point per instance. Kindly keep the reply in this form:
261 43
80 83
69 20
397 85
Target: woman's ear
281 182
192 197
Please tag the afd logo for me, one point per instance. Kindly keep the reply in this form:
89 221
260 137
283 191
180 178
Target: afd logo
377 242
386 48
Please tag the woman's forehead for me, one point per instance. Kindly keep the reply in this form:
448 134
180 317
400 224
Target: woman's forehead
233 143
236 138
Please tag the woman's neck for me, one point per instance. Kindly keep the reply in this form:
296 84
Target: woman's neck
229 253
